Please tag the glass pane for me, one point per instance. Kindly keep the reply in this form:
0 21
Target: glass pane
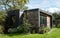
43 20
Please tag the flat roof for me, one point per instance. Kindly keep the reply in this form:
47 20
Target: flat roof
43 11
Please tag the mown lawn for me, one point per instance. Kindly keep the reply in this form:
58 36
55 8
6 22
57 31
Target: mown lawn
54 34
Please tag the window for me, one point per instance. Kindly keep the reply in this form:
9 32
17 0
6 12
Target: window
43 20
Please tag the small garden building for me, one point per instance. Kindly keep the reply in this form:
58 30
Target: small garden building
36 17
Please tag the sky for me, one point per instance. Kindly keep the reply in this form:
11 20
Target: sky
48 5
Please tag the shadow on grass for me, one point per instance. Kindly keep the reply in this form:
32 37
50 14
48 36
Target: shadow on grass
14 34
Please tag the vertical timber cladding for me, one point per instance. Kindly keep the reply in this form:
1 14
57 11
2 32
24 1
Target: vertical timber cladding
32 17
48 21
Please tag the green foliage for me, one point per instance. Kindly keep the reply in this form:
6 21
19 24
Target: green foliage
44 29
2 20
47 29
14 4
56 19
1 29
2 17
12 30
58 25
24 28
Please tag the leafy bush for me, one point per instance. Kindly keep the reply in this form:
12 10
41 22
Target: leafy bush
58 26
23 29
12 30
3 15
44 29
20 29
47 29
1 29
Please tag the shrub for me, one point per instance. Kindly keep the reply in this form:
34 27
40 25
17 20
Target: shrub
20 29
44 29
1 29
3 16
58 26
47 29
12 30
23 28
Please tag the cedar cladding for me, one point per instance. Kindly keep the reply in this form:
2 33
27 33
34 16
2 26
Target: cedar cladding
32 17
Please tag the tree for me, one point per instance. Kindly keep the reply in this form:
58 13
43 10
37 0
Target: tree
2 16
2 20
14 4
56 18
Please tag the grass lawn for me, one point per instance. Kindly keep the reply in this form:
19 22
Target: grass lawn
54 34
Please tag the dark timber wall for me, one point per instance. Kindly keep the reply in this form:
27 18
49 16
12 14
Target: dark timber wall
13 19
32 17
